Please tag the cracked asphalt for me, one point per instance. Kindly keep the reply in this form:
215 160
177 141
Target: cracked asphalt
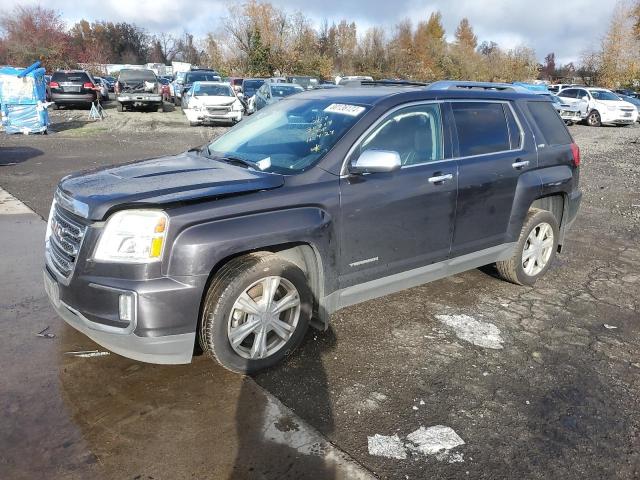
559 399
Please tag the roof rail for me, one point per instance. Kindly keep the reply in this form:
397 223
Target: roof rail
466 85
382 83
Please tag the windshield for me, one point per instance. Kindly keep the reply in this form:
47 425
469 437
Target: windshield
285 90
249 87
201 77
604 95
212 90
289 136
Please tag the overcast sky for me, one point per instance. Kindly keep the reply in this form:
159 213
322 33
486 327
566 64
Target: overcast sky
566 27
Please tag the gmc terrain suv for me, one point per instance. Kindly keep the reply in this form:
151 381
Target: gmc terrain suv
320 201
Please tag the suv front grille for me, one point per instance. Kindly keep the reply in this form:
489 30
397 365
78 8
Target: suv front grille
64 242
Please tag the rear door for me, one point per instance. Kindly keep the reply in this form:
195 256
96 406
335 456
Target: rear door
491 157
393 222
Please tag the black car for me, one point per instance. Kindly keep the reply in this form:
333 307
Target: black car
191 76
323 200
73 87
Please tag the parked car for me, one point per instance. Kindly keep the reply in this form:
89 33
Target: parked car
569 113
273 92
208 102
627 92
308 83
138 88
111 82
555 88
249 88
73 87
176 87
600 106
323 200
633 101
47 94
196 76
103 88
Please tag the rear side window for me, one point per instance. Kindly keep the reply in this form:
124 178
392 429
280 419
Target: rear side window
549 123
482 128
76 77
515 134
569 93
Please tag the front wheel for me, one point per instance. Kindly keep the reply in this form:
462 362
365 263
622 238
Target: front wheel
256 312
535 250
593 119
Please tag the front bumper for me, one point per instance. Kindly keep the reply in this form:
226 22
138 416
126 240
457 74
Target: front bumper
205 116
161 331
616 118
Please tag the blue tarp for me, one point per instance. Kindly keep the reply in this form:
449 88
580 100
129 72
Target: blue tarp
22 99
533 86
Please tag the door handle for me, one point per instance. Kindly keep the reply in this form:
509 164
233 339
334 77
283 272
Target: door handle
438 179
519 165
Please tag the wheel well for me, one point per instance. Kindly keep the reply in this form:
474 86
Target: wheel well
555 204
303 255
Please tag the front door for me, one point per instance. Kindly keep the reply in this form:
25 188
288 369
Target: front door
393 222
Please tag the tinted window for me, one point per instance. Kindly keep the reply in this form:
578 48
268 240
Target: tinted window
76 77
201 77
482 128
569 93
137 75
413 132
549 123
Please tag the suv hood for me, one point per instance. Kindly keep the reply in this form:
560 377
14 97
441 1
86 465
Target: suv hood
159 181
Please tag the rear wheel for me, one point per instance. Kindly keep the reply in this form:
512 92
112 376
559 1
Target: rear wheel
256 312
535 250
593 119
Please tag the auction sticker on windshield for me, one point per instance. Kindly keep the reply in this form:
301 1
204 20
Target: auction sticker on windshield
345 109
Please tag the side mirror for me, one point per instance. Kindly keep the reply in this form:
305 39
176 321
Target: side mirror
376 161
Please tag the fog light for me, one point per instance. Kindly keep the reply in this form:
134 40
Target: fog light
127 306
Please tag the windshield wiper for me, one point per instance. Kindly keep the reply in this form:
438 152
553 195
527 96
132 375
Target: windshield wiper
230 159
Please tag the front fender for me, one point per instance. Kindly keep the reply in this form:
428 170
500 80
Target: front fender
198 249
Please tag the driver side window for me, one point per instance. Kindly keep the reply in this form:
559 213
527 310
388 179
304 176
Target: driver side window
415 133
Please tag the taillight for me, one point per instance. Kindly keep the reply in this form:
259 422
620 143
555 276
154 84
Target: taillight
54 85
88 85
575 150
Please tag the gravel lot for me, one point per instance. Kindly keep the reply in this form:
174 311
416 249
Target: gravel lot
536 382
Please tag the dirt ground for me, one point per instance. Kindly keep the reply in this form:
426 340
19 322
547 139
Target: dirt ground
536 383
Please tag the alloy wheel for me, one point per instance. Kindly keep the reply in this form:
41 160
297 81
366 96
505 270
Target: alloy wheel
264 317
537 249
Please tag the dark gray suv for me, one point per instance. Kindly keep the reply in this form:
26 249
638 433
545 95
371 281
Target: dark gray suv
320 201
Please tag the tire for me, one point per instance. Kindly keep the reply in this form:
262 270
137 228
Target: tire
194 124
120 107
513 270
243 276
593 119
162 108
176 102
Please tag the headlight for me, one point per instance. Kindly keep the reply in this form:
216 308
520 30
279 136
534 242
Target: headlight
134 236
